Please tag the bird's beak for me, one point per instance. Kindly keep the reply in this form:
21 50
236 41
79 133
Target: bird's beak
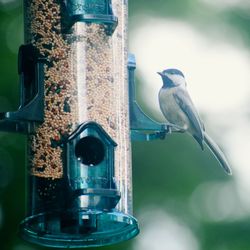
159 73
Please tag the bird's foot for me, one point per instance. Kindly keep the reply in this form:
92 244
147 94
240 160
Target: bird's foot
174 128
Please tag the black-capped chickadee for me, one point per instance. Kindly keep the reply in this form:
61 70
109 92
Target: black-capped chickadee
179 110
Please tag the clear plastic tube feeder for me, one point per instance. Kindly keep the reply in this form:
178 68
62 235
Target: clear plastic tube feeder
74 108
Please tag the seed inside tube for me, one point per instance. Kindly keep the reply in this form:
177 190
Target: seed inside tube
85 80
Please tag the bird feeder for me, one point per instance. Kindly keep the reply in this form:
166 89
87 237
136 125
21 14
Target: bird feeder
74 106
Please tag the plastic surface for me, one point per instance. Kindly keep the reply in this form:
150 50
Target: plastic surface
31 109
79 229
92 11
79 156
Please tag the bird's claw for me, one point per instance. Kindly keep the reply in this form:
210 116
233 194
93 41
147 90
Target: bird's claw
169 127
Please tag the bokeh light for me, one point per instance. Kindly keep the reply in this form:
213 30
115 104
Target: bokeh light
212 69
161 231
224 4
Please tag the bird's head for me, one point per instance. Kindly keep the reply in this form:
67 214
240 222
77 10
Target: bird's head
172 78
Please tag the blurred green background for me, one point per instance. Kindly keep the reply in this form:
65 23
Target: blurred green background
182 199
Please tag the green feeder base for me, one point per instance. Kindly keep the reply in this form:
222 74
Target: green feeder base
78 229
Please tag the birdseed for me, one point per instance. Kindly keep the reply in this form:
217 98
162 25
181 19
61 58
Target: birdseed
79 82
85 80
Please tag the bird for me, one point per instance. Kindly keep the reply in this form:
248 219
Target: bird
180 113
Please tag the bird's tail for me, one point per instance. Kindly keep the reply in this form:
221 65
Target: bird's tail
217 153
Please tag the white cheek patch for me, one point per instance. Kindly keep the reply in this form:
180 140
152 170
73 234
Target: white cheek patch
177 79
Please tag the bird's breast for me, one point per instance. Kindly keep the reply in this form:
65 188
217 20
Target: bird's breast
170 108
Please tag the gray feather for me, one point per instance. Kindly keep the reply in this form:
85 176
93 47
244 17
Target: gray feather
184 101
217 153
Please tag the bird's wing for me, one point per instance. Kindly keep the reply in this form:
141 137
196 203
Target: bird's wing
184 101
